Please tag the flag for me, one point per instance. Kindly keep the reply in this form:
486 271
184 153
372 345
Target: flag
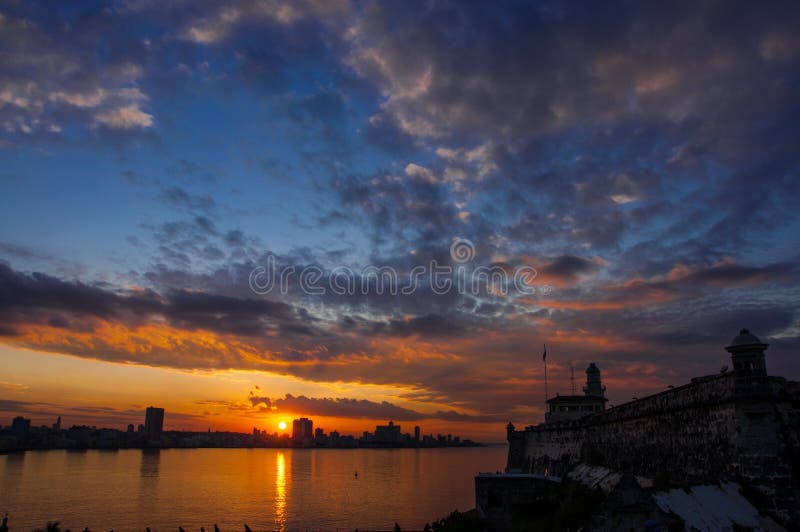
544 355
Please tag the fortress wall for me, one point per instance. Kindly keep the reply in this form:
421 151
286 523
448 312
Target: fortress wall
675 442
671 433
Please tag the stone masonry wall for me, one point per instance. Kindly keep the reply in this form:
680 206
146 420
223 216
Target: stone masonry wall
716 427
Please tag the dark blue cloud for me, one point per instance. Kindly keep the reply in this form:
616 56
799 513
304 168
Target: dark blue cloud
643 157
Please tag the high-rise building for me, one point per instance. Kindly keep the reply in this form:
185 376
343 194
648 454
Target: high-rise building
302 431
416 434
21 428
388 433
57 425
153 423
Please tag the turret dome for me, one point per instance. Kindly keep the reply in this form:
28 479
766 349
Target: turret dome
747 353
745 337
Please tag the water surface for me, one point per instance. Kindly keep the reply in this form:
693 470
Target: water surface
269 489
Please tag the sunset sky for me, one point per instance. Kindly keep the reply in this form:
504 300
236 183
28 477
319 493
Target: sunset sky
644 159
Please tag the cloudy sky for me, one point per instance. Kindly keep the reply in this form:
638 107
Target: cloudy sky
642 158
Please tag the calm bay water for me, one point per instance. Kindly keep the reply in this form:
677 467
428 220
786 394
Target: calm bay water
269 489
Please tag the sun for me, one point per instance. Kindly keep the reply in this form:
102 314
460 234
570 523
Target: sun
282 425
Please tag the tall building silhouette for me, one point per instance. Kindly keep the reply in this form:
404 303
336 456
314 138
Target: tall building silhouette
153 424
21 428
388 433
302 431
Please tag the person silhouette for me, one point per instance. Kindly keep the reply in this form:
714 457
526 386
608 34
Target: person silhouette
4 525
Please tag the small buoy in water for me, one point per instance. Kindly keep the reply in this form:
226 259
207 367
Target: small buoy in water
356 474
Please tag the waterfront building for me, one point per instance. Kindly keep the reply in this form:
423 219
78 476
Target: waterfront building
153 424
302 431
21 428
388 434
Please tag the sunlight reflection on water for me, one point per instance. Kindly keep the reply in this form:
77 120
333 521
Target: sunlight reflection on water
280 493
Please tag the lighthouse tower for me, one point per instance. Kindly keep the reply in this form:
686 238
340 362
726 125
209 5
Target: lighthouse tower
594 386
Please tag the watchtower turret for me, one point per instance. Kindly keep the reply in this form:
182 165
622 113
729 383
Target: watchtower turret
747 353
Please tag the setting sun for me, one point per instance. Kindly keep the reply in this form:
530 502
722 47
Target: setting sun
282 425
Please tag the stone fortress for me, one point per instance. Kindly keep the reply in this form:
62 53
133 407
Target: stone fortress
740 425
